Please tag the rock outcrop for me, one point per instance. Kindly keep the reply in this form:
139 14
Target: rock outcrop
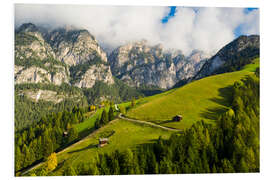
75 46
139 64
44 56
99 72
35 60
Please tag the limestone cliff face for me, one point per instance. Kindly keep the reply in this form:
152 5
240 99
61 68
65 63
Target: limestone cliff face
193 63
139 64
44 56
80 51
30 44
95 73
48 95
73 46
35 60
35 74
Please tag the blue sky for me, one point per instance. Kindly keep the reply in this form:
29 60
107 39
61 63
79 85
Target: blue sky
237 31
170 15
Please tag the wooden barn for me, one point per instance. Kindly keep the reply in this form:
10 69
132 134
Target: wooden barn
177 118
103 142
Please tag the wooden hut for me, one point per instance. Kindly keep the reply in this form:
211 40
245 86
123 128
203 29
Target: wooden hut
103 142
177 118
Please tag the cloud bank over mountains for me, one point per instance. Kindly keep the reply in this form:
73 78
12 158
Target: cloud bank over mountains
205 29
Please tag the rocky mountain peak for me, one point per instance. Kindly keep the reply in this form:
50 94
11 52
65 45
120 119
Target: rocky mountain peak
75 46
46 56
140 64
244 49
239 44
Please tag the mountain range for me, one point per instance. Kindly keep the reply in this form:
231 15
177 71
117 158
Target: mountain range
73 56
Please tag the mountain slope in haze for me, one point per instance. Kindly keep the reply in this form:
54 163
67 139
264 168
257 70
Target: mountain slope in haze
138 64
232 57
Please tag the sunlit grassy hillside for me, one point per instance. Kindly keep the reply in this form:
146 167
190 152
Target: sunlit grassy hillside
202 99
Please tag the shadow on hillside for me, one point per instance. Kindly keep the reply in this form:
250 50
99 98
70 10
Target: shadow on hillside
224 99
147 144
86 148
225 96
212 113
166 121
86 132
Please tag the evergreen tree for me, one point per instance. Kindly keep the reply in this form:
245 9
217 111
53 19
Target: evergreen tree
69 171
165 166
104 118
227 166
18 158
126 162
111 116
72 134
133 102
243 167
97 123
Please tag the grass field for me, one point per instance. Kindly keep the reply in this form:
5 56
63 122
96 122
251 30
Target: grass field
202 99
126 135
88 125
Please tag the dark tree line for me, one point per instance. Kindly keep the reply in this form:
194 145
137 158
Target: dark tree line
51 133
105 118
232 145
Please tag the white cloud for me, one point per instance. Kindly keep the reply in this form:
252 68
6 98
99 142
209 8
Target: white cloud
206 29
253 27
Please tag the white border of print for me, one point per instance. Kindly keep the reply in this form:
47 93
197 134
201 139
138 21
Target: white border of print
7 82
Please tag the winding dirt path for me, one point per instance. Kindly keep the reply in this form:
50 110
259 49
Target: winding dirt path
148 123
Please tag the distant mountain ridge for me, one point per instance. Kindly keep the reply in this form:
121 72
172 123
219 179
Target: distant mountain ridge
232 57
69 55
66 67
139 64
